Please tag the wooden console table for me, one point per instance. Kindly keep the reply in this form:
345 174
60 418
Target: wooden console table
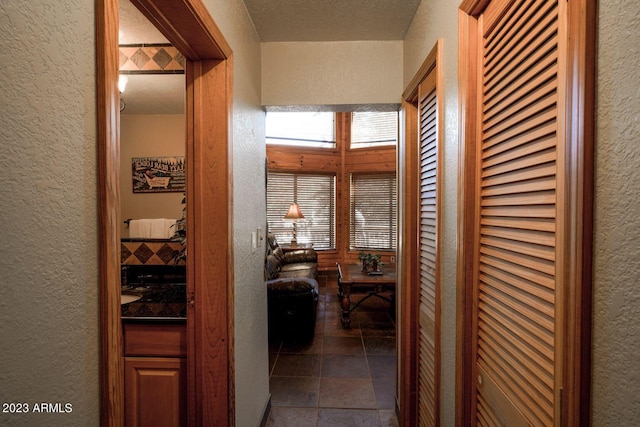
352 280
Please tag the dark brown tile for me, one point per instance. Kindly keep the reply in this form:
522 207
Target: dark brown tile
388 418
314 347
294 391
272 361
332 315
379 345
297 365
382 366
348 418
384 389
354 393
335 328
366 317
344 366
319 331
342 345
143 253
331 297
292 417
162 58
376 303
378 329
166 253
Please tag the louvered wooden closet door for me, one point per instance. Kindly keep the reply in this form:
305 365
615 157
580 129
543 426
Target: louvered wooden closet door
428 337
515 266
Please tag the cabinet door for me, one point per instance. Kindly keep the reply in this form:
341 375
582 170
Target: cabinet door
155 391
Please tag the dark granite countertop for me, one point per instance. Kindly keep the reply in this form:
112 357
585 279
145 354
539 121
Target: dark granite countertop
161 301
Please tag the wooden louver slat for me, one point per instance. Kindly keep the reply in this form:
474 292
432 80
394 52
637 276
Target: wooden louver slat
516 257
427 337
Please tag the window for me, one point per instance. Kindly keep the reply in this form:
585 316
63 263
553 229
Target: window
316 196
374 129
373 211
307 129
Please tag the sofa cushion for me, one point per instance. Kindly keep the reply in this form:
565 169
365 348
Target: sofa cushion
271 267
293 285
271 241
279 253
300 255
299 269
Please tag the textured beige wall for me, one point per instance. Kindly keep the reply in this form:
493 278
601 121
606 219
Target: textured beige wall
48 285
249 212
331 73
49 290
48 211
142 135
616 314
434 20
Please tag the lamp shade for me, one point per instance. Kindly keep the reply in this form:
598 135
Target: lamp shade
294 214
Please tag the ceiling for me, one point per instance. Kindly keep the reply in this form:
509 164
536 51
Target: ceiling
148 93
275 21
331 20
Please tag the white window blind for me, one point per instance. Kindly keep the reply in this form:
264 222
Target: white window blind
308 129
373 129
373 211
316 196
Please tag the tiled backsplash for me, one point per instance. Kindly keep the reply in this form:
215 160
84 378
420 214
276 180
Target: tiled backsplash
157 58
149 252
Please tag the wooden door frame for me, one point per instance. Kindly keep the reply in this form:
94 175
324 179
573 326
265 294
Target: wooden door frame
578 189
189 27
410 246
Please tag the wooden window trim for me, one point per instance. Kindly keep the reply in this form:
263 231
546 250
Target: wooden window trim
342 161
379 148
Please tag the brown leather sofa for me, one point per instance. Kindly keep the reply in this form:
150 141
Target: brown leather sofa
292 292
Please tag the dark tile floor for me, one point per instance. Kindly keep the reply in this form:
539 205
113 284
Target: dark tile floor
345 377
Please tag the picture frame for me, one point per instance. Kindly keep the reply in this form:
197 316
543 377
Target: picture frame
158 174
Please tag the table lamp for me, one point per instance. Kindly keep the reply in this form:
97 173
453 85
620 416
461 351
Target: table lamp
294 214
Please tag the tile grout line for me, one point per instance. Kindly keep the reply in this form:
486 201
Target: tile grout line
328 307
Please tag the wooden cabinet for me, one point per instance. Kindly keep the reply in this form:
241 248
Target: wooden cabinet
155 378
